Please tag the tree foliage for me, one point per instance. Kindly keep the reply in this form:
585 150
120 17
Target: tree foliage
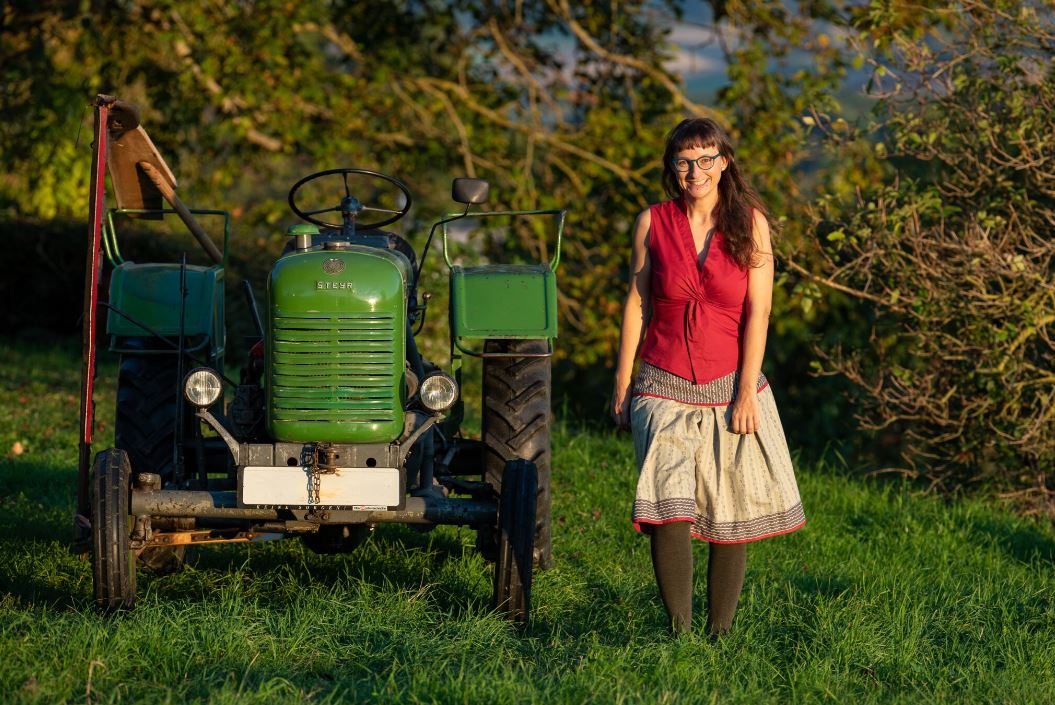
914 253
953 261
555 103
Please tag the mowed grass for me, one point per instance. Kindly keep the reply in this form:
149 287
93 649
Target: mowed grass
884 597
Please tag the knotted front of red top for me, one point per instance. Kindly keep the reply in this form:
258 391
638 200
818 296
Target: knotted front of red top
696 329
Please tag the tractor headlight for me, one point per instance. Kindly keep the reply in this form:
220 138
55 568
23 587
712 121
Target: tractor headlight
202 387
438 391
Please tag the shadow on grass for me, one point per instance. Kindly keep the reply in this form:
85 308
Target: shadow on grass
1023 543
393 559
824 585
39 571
59 591
397 559
36 529
368 562
37 502
31 494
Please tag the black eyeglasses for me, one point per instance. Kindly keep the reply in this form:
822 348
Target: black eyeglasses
681 164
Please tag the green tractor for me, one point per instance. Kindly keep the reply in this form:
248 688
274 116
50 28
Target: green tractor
337 424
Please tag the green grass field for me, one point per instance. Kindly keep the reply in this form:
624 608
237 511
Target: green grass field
884 597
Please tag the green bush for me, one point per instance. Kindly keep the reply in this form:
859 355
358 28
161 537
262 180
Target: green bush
953 259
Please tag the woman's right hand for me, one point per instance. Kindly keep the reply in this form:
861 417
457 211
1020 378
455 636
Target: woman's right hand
620 408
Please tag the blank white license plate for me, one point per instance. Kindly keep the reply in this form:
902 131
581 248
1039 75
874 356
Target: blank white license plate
357 488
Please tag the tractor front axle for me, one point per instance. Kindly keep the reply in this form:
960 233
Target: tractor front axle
224 505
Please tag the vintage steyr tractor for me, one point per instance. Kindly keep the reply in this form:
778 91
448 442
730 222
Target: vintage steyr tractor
337 424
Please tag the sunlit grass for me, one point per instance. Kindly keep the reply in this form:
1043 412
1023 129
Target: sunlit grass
884 597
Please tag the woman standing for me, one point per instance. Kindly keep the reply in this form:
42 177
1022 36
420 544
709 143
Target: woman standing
710 448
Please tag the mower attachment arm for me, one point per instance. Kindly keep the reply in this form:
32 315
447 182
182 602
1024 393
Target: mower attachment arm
96 206
182 211
138 173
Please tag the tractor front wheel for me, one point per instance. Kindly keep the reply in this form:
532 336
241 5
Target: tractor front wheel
516 424
113 562
516 538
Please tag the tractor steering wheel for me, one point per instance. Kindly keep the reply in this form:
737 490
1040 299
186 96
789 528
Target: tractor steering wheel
350 207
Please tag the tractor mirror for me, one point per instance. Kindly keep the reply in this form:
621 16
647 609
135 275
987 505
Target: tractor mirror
470 191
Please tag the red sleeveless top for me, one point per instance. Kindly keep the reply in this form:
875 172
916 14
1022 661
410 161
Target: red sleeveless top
696 329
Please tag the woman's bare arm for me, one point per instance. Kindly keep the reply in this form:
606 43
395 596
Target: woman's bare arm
636 312
745 416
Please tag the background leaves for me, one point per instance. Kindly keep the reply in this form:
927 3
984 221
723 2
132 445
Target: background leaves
904 149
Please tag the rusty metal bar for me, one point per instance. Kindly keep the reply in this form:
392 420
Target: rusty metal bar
93 266
224 505
203 536
428 510
201 504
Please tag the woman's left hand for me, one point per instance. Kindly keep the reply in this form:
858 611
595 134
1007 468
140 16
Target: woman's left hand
745 416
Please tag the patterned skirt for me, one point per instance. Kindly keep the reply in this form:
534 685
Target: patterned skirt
733 487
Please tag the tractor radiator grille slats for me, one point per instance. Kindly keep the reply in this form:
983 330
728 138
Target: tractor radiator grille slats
329 369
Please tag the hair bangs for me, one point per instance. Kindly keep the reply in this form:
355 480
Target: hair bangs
699 132
690 141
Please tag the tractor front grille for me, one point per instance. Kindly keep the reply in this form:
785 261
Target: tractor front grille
342 370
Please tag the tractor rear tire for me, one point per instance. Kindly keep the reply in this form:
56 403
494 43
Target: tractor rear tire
516 539
147 412
148 405
113 562
516 424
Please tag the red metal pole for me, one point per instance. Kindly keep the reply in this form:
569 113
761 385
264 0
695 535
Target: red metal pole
91 300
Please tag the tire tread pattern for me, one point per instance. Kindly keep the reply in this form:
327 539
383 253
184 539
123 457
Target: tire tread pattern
516 424
113 564
515 560
145 428
147 408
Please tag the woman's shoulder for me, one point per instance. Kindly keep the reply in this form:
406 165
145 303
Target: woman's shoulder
665 206
642 226
760 229
656 211
662 211
759 219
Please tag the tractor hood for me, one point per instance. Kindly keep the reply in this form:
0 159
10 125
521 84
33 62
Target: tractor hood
336 345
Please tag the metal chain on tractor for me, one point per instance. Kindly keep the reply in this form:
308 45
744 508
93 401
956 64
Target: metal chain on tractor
319 466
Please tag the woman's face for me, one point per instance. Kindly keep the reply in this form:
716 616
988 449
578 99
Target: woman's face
698 178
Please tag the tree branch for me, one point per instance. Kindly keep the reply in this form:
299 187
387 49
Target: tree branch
631 179
562 8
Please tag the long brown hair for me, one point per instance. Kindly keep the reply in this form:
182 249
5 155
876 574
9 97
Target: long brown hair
733 215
